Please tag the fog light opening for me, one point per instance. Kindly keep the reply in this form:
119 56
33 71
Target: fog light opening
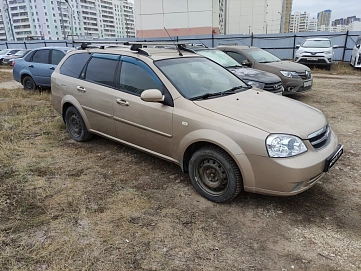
297 187
290 88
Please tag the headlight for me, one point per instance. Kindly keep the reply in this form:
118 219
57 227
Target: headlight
328 53
255 84
279 145
289 74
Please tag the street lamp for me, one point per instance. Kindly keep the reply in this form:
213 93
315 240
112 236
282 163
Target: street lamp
266 26
281 23
71 22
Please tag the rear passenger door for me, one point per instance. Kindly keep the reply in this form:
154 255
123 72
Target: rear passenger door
144 124
39 67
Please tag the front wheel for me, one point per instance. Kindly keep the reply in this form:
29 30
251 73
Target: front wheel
75 125
29 83
214 174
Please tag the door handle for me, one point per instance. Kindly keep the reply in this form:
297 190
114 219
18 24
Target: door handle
31 66
81 89
52 68
122 102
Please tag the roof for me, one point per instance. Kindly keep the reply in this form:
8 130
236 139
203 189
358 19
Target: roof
242 47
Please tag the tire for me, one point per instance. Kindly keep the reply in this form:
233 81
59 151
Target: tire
29 83
209 166
75 125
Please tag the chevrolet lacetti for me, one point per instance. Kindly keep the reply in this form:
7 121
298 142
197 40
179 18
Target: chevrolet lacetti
228 136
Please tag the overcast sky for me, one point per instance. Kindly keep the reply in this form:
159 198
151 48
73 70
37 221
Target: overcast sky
340 8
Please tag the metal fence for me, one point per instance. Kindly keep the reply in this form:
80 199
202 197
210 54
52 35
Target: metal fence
281 44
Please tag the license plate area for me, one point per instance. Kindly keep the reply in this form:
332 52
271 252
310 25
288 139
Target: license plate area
312 58
307 83
332 159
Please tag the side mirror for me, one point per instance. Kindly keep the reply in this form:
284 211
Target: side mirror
298 46
9 54
335 46
358 46
152 95
246 63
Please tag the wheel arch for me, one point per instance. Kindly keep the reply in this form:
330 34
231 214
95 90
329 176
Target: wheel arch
69 101
221 141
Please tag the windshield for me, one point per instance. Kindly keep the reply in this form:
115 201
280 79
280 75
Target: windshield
20 53
316 44
197 76
262 56
4 52
219 57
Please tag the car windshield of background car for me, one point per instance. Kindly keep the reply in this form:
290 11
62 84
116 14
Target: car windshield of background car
219 57
198 76
20 53
316 44
263 56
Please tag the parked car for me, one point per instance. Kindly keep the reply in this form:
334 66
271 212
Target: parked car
316 52
35 69
295 77
259 79
356 54
187 109
8 60
7 52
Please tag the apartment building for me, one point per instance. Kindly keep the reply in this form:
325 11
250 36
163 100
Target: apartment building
324 18
197 17
299 22
60 19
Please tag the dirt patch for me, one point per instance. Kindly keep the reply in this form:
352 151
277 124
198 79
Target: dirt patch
103 206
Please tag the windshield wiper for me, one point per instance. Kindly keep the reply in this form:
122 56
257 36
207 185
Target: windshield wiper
235 66
232 90
205 96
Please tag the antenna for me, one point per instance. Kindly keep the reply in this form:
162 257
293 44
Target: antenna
201 42
173 42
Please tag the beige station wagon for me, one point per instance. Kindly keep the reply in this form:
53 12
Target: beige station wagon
193 112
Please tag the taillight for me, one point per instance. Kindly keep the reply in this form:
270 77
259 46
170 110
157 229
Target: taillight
13 64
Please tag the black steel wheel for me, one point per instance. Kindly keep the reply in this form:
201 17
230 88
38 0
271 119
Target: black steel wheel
29 83
215 175
75 125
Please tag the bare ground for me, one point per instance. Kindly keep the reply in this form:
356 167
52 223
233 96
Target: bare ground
103 206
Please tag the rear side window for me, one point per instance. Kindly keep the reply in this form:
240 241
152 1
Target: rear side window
41 56
74 64
101 69
56 56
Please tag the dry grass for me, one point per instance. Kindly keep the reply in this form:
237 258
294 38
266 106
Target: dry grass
341 68
6 75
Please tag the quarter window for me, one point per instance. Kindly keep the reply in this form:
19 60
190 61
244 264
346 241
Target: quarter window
74 64
101 69
56 56
41 56
136 79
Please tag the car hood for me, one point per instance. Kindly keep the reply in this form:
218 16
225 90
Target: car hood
254 75
268 112
313 50
287 66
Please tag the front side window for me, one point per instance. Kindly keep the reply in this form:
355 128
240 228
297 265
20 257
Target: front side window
198 76
137 77
56 56
41 56
101 69
236 56
74 64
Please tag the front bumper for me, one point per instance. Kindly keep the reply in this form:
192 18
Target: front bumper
288 176
314 60
296 85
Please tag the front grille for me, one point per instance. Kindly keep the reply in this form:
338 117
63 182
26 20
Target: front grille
320 138
273 87
305 75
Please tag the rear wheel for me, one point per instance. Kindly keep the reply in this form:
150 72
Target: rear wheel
29 83
75 125
215 175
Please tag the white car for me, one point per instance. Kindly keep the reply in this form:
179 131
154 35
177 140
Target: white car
356 54
315 52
